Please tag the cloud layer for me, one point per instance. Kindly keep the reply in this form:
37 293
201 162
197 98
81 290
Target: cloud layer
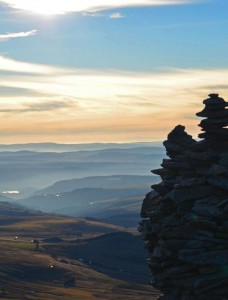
98 105
13 35
59 6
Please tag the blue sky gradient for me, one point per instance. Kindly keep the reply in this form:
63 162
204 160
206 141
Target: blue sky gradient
131 42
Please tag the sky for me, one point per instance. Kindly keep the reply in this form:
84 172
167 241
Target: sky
74 71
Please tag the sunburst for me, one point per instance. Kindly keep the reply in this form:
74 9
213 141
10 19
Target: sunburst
47 7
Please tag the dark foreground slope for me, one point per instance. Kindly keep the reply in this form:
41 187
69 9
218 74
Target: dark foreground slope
49 257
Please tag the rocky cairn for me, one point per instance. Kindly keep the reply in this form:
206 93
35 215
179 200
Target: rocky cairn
185 217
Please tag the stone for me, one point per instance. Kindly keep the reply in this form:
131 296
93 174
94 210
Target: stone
213 100
192 193
186 230
205 257
215 121
219 182
173 165
217 169
173 147
205 156
192 182
204 209
148 202
208 113
161 188
213 95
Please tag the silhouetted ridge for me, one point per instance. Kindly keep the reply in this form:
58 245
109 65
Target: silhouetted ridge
185 216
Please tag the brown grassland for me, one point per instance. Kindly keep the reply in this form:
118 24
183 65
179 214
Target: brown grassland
48 271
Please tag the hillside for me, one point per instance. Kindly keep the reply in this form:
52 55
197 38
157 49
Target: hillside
119 205
68 258
119 181
115 199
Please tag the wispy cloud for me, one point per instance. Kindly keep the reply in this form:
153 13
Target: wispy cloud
38 106
13 35
106 91
11 65
51 7
93 14
116 15
98 104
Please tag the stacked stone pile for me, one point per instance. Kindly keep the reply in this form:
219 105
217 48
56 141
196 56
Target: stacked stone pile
185 217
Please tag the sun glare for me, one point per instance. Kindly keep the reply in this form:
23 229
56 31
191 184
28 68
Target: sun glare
53 7
45 11
42 8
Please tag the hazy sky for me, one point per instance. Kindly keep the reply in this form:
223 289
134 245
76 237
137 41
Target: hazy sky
108 70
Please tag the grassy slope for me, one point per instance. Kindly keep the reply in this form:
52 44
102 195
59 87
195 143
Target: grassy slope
28 274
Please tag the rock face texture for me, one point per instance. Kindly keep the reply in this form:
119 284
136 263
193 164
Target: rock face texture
185 217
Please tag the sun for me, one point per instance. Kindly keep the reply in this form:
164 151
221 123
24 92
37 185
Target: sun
45 10
43 7
56 7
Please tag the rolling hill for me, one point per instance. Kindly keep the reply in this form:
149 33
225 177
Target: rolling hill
106 204
50 257
114 199
113 181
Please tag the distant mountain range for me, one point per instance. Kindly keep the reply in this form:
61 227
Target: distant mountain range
103 181
54 147
26 171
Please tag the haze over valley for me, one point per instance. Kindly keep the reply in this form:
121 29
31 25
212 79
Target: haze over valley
107 181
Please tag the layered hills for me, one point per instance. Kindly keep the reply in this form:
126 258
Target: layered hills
104 183
114 199
24 170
